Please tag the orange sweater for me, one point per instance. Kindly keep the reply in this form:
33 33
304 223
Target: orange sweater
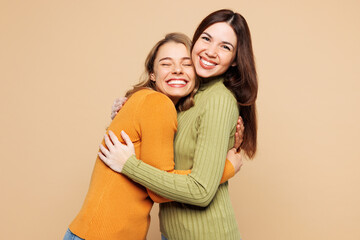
116 207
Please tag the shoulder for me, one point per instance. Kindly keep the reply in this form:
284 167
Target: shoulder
151 101
222 91
149 95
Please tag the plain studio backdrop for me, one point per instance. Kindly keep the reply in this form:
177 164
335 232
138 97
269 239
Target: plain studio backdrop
62 63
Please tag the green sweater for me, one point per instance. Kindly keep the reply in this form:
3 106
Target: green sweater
205 133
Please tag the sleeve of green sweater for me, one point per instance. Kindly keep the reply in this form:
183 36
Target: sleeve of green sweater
218 120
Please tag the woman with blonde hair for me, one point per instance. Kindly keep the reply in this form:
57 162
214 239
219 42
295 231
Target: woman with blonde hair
116 207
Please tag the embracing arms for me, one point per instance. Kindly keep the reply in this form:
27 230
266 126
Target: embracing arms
198 187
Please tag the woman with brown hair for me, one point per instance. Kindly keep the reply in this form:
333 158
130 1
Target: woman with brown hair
223 59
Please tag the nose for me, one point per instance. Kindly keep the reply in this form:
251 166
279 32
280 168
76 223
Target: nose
177 69
211 51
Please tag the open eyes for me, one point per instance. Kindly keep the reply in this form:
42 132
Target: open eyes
206 38
222 45
226 47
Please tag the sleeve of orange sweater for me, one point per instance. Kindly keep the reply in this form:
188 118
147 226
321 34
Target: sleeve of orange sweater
157 122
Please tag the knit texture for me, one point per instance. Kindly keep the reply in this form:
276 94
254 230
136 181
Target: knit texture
205 133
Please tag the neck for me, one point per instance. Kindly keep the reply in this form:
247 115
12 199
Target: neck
209 79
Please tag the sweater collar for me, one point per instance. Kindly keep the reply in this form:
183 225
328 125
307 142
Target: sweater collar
209 82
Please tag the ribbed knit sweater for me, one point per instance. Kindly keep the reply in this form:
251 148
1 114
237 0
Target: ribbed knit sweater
116 207
205 133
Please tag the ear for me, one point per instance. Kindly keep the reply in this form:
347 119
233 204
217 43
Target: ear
152 77
233 64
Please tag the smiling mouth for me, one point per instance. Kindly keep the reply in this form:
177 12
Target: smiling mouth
207 64
177 82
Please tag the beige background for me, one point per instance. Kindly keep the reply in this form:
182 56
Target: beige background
62 63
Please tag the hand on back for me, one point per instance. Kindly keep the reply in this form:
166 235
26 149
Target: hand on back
117 105
234 154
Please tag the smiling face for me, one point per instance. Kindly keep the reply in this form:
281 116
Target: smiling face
174 73
215 50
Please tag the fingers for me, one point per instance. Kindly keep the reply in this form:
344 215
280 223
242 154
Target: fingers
117 105
233 150
108 143
119 101
114 138
235 159
115 146
128 142
239 135
126 138
116 153
113 114
103 158
238 140
122 101
240 126
240 120
103 150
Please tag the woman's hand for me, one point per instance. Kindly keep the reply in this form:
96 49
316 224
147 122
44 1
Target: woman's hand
234 155
116 154
235 158
117 105
239 135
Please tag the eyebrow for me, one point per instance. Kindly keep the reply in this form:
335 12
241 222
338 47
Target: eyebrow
169 58
225 42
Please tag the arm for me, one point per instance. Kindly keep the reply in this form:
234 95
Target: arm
152 119
229 172
199 187
157 124
233 159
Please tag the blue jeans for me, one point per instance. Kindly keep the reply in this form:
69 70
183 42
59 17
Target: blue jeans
70 236
163 238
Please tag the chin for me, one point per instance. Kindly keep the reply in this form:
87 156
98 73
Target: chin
205 75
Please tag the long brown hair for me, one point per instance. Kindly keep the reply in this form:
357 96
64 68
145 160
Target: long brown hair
145 81
241 79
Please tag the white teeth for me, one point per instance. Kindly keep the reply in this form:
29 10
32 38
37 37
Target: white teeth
181 82
207 63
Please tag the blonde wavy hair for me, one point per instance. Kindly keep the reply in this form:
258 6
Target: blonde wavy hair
145 82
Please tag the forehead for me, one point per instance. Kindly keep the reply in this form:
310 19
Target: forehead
173 50
222 31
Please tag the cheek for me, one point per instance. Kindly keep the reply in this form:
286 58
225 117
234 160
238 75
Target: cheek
228 59
196 49
191 75
158 85
193 55
190 71
161 74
